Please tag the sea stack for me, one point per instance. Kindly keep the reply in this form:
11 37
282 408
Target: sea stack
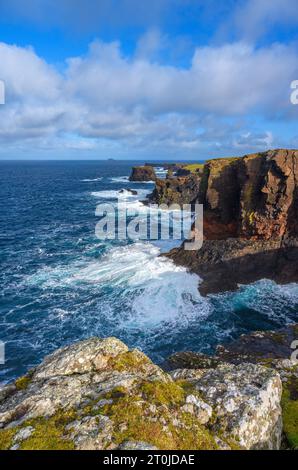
142 173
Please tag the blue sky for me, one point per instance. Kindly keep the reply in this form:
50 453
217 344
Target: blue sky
165 79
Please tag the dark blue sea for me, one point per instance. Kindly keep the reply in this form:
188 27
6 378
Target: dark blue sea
59 283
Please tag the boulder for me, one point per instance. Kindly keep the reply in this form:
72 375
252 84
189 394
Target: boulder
133 192
246 403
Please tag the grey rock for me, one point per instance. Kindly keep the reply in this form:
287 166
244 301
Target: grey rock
246 401
23 434
134 445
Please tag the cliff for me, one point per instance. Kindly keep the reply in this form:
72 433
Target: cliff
181 190
250 221
97 394
142 173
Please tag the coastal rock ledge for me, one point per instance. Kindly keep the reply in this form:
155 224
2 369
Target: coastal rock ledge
97 394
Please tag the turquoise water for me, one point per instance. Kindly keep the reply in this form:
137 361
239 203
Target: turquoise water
59 283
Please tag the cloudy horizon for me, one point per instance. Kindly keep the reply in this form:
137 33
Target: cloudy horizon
166 80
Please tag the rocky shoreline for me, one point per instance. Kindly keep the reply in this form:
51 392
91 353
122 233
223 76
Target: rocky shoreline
97 394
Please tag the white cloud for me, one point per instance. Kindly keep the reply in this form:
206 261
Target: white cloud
105 96
253 18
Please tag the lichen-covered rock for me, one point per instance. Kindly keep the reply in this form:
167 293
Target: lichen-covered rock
132 445
97 394
199 408
246 401
273 349
142 173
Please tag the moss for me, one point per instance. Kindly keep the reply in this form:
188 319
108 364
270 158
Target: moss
49 433
23 382
251 217
6 438
134 420
130 360
161 393
290 412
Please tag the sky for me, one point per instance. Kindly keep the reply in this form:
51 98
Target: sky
158 79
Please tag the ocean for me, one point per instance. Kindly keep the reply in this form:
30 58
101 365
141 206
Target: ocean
60 284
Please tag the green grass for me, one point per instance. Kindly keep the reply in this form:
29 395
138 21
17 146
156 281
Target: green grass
194 167
290 412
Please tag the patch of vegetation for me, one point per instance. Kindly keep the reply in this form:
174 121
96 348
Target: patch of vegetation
134 419
129 360
6 438
194 167
216 165
251 217
23 382
161 393
49 433
290 412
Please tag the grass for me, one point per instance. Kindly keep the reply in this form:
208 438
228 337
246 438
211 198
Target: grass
290 412
23 382
49 433
134 420
194 167
129 360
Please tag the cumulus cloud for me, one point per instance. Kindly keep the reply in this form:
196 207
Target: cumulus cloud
105 96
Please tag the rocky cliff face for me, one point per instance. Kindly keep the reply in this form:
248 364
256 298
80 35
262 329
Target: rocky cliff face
97 394
180 190
250 221
142 173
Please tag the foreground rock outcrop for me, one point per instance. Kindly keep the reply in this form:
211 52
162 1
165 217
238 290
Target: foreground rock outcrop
96 394
272 349
142 173
250 221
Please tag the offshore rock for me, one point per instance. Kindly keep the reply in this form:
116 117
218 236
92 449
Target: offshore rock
181 190
142 173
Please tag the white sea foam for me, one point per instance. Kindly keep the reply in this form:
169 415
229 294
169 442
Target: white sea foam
158 290
161 172
119 179
120 194
87 180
